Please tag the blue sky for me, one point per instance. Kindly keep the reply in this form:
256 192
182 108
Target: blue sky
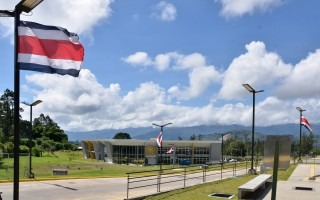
183 62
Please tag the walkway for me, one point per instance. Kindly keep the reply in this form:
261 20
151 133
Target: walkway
299 178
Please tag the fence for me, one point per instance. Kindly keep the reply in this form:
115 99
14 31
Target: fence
176 178
6 169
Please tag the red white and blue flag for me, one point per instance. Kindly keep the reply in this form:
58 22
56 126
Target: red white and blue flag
305 123
170 150
49 49
159 139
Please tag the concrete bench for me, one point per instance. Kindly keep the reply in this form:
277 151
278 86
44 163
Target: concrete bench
59 172
253 185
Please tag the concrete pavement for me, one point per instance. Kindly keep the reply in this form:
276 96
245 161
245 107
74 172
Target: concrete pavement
299 178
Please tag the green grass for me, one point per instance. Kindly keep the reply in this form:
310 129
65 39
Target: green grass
227 186
200 192
77 166
283 175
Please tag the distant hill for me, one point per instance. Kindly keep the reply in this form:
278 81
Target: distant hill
206 132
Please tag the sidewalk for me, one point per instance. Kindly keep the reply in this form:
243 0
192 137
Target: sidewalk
299 178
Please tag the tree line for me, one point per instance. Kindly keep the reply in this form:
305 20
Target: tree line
47 136
235 147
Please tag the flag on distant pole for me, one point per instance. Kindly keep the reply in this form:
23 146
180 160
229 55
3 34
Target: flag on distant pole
305 123
170 150
159 139
49 49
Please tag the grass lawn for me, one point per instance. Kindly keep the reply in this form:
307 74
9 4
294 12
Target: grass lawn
77 166
227 186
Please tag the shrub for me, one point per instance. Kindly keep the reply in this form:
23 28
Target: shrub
24 149
37 151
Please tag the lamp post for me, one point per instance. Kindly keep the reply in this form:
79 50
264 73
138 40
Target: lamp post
30 174
300 110
222 134
253 91
161 129
22 6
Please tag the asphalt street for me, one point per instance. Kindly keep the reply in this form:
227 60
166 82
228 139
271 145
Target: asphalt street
99 189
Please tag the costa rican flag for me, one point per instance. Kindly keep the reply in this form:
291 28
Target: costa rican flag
305 123
49 49
170 150
159 139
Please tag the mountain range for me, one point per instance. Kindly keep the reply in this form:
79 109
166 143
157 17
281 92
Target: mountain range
206 132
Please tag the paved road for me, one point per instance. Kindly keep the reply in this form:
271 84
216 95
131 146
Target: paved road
98 189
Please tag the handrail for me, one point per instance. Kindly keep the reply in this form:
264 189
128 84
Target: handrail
166 176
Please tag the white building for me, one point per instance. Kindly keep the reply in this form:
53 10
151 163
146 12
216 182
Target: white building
148 153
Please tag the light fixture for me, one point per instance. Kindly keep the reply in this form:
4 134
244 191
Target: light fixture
253 91
27 5
30 174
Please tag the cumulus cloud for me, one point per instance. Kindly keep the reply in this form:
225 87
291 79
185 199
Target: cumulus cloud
84 104
165 11
201 75
236 8
139 58
304 80
79 16
257 67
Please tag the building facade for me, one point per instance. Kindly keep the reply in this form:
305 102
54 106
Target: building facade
148 153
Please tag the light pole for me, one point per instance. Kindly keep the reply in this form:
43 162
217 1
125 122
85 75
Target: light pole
300 110
30 174
222 134
253 91
22 6
161 131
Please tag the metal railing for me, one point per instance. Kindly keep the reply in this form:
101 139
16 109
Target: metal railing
176 178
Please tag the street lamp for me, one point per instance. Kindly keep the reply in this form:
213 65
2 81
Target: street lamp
31 175
222 134
161 130
300 110
22 6
253 91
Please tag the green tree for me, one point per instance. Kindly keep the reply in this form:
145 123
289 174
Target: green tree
234 147
307 142
121 135
44 126
48 135
6 113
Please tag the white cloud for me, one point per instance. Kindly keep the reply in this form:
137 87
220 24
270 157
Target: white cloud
162 62
257 67
304 80
79 16
237 8
199 80
165 11
84 104
139 58
201 76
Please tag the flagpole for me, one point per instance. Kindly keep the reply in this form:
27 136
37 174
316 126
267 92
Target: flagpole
16 116
300 110
22 6
161 131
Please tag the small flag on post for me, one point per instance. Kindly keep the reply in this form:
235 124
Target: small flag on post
49 49
170 150
305 123
159 139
